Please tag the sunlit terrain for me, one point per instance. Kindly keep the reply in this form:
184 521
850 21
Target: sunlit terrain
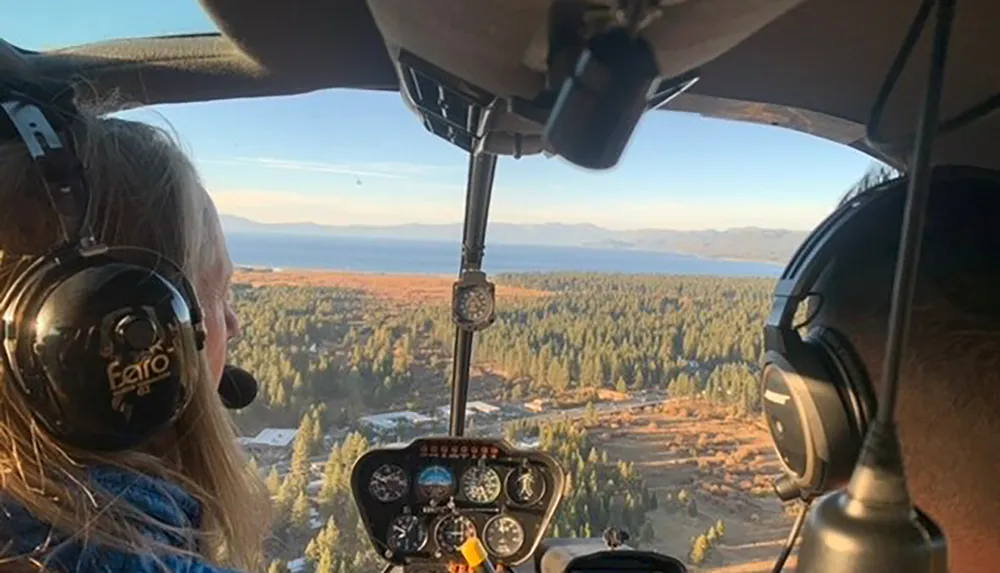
642 387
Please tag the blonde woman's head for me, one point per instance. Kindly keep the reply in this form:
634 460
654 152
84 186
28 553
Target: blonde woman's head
145 193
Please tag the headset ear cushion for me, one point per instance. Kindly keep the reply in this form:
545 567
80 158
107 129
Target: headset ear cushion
115 359
856 388
812 410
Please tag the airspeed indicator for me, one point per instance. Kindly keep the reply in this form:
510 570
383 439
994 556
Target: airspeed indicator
388 483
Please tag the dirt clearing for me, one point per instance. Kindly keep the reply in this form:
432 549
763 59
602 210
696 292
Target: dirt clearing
690 450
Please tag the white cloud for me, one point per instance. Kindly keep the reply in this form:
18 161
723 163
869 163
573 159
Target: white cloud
333 209
378 169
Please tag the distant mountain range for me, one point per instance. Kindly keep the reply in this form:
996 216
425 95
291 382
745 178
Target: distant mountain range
746 243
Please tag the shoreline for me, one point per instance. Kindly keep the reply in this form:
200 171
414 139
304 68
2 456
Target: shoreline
265 270
262 269
585 247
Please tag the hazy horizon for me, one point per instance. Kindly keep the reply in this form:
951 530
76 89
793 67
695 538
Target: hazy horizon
495 221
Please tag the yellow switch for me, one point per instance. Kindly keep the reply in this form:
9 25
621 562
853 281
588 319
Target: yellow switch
475 553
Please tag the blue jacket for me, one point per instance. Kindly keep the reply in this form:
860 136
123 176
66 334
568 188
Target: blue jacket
162 500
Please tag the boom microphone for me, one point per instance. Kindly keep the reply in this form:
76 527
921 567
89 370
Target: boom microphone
238 388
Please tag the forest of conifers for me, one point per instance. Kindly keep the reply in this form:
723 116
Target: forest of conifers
362 354
326 356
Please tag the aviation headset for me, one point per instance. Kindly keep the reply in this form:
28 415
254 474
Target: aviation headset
101 342
817 397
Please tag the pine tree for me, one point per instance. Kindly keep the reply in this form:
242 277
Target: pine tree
300 512
273 481
326 564
326 542
277 566
692 508
699 550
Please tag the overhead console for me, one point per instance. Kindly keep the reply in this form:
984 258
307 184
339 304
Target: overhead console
584 81
421 502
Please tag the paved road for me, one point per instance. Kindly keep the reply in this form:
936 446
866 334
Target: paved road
496 429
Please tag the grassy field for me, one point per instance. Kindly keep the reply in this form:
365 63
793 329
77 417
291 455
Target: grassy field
396 288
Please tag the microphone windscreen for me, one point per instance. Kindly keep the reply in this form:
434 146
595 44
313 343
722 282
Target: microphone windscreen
238 388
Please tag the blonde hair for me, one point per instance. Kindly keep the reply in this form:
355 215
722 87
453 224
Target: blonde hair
145 193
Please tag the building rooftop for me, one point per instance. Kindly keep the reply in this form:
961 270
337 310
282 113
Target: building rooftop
274 437
471 408
389 420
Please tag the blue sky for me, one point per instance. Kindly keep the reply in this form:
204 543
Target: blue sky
346 157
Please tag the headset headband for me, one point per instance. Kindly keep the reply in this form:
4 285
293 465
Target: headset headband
42 116
809 261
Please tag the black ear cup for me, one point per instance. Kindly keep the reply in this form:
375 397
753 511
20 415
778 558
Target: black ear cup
857 391
103 344
815 400
104 347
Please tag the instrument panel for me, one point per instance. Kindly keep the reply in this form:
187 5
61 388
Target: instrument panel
420 502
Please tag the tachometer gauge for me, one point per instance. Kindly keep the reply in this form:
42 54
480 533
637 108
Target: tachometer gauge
481 484
525 485
504 536
453 531
388 483
407 534
436 482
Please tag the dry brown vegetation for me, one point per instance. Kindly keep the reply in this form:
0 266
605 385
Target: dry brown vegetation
724 462
414 289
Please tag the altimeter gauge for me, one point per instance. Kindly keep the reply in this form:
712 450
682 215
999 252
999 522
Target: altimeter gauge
407 534
388 483
481 484
504 536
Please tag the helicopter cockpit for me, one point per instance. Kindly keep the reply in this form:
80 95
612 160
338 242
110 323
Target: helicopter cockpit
572 79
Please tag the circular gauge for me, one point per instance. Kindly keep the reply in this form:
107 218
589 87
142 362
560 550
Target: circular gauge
453 531
388 483
475 305
436 482
407 534
525 485
504 535
481 484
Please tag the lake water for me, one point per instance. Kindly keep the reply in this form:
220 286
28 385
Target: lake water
432 257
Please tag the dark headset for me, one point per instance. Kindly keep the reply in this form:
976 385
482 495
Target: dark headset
102 342
816 394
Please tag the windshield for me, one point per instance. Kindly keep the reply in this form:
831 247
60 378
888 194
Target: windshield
630 306
629 312
36 26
